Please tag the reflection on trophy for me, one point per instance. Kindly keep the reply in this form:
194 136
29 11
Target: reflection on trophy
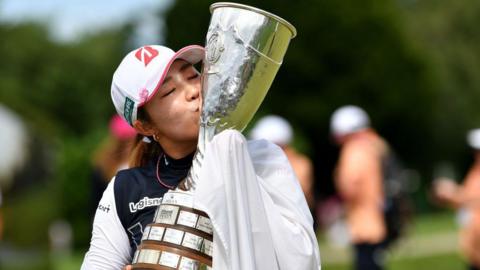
244 50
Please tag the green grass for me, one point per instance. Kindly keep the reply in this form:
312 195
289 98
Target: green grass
436 262
434 223
451 261
70 263
430 243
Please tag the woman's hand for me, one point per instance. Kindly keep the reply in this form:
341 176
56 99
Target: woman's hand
127 267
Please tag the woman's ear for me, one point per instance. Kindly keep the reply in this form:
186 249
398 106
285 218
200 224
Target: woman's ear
143 128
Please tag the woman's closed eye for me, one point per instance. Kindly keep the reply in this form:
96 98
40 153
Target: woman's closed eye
194 76
169 92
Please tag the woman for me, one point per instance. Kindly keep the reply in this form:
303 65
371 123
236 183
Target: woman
157 91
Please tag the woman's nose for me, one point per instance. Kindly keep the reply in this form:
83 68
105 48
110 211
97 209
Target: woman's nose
193 91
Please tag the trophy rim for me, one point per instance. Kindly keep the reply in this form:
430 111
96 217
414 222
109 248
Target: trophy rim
258 10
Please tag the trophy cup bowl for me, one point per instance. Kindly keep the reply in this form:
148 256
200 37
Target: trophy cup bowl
244 50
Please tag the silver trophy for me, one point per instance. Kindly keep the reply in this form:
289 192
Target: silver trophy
244 50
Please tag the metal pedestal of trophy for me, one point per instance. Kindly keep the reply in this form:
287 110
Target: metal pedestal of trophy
244 50
180 236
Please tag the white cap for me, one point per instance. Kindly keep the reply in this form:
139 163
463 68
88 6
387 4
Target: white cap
141 73
348 119
273 128
473 138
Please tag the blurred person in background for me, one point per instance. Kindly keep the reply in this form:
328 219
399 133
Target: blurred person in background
466 197
279 131
111 156
359 179
14 141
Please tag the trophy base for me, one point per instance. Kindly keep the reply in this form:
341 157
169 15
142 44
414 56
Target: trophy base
150 267
180 237
162 256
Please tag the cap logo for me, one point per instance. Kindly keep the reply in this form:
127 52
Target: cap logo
146 54
143 94
128 110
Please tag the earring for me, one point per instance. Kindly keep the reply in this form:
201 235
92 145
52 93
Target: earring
155 137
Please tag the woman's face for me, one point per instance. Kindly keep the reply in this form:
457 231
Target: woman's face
175 109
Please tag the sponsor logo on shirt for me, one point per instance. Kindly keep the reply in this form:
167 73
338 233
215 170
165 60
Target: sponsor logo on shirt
104 208
145 202
136 231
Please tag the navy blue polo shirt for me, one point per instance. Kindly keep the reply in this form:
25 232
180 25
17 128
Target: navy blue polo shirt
138 192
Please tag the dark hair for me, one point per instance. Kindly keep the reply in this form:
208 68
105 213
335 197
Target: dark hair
143 152
112 154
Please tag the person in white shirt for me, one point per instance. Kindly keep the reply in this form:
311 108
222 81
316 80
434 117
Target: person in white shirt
278 130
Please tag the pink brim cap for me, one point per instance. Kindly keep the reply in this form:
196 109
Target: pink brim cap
192 54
